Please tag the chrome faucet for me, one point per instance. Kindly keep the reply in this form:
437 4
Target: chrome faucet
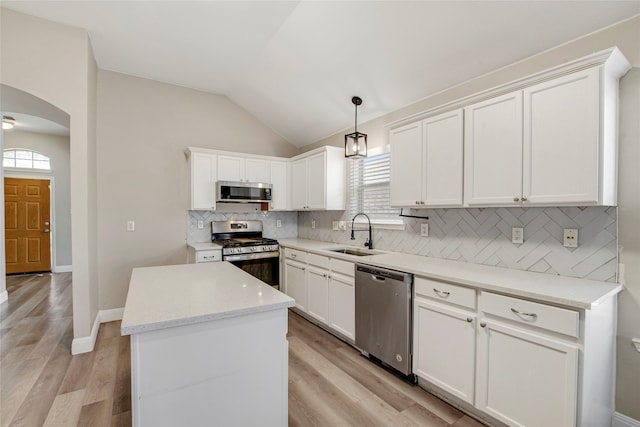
368 243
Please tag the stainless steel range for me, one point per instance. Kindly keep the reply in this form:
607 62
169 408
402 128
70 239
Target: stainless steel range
243 245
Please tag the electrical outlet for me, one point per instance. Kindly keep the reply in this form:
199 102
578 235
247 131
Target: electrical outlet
313 223
424 230
278 223
517 235
334 225
342 226
131 226
200 224
636 343
570 238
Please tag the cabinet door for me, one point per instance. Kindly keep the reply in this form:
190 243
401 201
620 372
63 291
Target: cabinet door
525 378
561 140
444 349
203 178
257 170
406 165
318 294
342 305
299 184
296 283
316 181
493 151
230 168
442 173
281 187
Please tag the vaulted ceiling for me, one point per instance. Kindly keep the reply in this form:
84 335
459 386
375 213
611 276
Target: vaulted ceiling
296 64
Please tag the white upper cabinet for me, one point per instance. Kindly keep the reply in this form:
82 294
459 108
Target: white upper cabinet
552 143
243 169
493 151
280 180
426 162
202 178
561 140
318 180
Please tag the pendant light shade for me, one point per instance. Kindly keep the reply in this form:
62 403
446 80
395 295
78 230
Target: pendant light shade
355 144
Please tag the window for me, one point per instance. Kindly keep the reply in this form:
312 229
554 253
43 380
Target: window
369 190
25 159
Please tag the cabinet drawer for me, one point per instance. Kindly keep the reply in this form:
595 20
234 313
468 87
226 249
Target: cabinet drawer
318 260
445 292
343 267
208 256
295 254
543 316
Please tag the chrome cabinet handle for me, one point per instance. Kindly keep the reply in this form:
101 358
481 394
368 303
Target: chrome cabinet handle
520 313
516 199
293 255
469 320
441 294
524 198
482 324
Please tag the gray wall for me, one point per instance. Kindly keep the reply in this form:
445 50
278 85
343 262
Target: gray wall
55 63
144 128
57 149
626 36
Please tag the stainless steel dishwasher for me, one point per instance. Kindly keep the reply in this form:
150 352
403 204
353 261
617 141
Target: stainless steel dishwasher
384 315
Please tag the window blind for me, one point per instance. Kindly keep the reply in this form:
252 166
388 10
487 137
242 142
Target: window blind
369 189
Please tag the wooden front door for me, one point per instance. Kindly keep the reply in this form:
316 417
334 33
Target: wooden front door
27 229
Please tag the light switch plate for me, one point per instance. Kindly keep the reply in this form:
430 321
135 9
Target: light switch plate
131 226
517 235
278 223
200 224
570 239
313 223
424 229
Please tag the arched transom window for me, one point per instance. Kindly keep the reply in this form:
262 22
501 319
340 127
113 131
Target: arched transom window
25 159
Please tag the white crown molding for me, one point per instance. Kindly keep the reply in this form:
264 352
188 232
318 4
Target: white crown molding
612 57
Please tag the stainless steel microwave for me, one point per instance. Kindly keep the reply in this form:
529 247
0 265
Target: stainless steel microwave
243 192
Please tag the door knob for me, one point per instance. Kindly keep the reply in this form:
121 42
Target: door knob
46 223
46 230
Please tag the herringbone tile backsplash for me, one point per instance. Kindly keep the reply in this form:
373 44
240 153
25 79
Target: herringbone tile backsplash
479 236
483 236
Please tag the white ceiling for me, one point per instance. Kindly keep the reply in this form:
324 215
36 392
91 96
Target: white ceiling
296 65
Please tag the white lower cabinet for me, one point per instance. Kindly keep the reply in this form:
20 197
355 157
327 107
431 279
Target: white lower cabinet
295 282
445 348
512 359
323 288
318 293
526 378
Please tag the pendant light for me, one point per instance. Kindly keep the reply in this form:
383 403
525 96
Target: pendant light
355 144
8 122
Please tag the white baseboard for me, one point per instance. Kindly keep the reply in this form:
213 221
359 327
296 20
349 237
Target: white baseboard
4 296
62 269
111 315
87 344
620 420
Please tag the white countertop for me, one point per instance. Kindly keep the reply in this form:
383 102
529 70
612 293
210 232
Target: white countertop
204 246
175 295
568 291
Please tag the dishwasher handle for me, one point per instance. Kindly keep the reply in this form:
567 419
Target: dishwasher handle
378 278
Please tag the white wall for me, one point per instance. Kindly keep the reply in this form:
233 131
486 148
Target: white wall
626 36
55 63
144 128
57 149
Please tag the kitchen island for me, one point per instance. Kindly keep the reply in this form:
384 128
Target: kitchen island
208 347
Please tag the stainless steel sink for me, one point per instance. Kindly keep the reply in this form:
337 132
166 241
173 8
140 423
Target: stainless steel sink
356 252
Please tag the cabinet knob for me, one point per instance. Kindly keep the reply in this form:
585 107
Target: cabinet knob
469 320
524 198
482 324
516 199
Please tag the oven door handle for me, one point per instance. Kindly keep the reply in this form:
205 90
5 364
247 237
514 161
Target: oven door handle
249 257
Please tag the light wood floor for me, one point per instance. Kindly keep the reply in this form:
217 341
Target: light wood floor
330 384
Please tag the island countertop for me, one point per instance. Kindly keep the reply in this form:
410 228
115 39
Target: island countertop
175 295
